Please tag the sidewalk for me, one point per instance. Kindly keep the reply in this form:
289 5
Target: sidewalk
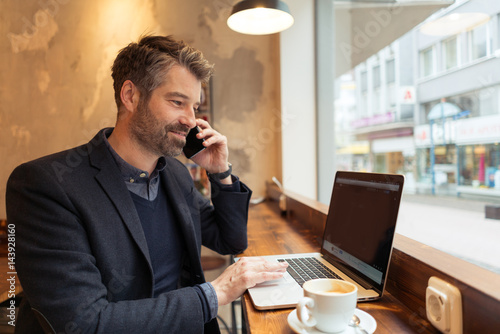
450 201
454 225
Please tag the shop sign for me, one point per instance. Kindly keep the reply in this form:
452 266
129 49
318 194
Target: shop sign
407 95
479 130
441 134
374 120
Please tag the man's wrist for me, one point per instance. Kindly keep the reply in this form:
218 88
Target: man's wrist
223 175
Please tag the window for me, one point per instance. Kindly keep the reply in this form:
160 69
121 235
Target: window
479 166
436 161
376 101
390 70
427 60
445 158
488 100
390 76
363 108
376 76
425 108
377 91
498 32
450 53
364 81
478 41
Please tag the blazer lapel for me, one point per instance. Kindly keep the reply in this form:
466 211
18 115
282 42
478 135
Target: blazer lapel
110 180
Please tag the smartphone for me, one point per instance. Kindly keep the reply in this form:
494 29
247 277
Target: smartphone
193 145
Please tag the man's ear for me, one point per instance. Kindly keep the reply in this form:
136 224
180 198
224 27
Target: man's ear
129 95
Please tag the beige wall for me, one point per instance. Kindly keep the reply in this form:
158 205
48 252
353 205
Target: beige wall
56 90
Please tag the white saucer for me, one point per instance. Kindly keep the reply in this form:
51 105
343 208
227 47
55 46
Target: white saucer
367 322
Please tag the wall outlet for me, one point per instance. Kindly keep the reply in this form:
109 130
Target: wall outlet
443 303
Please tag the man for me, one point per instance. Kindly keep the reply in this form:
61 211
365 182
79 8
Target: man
109 234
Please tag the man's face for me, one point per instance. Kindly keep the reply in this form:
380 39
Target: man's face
161 125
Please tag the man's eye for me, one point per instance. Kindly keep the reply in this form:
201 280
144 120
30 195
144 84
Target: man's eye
177 103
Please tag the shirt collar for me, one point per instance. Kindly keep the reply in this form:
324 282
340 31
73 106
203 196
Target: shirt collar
130 173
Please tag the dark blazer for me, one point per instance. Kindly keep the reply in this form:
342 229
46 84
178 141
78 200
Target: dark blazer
81 254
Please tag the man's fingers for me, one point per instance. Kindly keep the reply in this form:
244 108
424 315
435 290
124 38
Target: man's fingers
275 266
202 123
266 271
259 264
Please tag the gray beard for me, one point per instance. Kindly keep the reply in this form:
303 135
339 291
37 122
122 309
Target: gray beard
148 131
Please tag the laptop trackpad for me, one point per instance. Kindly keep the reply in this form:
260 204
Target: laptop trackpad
267 295
284 280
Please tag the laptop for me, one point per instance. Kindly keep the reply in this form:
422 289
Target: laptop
356 245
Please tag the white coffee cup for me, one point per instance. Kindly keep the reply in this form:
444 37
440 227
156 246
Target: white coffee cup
328 304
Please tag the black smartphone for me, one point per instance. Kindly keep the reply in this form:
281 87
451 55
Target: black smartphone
193 145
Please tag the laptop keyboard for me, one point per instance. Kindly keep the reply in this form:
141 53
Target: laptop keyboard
305 269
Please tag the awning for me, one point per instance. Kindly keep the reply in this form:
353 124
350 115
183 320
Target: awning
443 110
365 27
396 129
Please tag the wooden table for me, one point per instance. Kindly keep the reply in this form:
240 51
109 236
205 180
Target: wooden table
268 234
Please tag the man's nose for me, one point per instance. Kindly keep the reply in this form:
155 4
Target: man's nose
189 118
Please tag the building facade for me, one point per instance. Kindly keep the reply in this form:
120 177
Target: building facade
457 130
375 113
428 106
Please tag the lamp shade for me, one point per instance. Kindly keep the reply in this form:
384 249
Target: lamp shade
260 17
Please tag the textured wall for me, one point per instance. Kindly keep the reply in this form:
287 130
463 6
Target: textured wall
56 90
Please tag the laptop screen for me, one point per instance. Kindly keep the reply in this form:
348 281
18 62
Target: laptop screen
361 223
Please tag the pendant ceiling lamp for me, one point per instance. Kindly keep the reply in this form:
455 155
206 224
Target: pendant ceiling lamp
260 17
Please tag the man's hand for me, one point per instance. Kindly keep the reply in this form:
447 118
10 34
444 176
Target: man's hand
214 159
244 274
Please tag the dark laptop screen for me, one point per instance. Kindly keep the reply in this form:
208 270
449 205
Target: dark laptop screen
361 223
